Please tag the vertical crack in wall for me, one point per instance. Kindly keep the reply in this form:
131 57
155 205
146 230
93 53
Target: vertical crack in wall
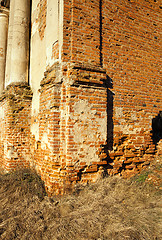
100 31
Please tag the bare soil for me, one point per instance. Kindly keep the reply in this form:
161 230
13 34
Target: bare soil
111 209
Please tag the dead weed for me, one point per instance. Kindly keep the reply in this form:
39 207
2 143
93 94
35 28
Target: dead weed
112 208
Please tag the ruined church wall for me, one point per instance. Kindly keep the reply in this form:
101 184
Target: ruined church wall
44 49
71 120
37 59
93 91
15 118
122 37
15 100
131 47
46 45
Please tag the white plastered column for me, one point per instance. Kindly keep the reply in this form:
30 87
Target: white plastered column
9 43
18 44
3 45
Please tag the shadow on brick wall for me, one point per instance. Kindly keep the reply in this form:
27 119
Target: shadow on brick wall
110 125
110 94
100 30
157 128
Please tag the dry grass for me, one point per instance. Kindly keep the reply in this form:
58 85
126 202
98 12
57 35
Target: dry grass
112 208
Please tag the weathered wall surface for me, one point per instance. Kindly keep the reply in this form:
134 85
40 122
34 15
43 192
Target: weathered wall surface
95 79
15 100
123 37
3 45
131 55
44 49
37 58
72 127
85 117
81 36
15 127
18 47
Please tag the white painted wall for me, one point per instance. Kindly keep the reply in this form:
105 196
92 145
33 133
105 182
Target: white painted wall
51 29
41 49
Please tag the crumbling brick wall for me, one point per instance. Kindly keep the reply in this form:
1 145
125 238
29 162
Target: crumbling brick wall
46 151
72 124
97 102
108 92
15 105
123 37
131 55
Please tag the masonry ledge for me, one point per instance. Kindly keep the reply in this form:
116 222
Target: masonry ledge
17 89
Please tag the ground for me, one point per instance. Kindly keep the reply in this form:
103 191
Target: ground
113 208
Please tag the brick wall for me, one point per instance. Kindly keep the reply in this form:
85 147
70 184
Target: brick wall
72 127
81 35
97 104
15 104
85 120
124 38
131 56
42 6
55 50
